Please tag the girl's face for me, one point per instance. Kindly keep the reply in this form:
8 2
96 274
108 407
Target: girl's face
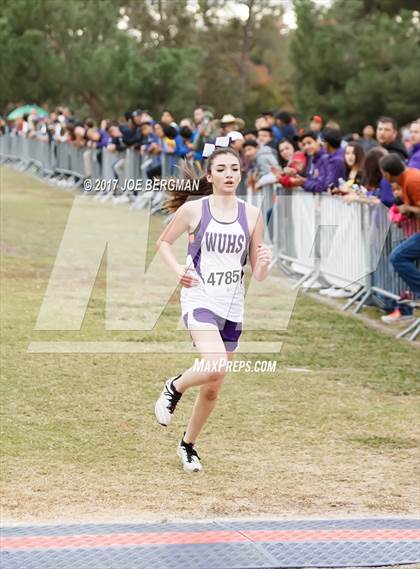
225 174
286 150
167 118
350 156
159 130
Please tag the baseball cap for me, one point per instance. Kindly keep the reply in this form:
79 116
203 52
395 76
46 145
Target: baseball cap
317 118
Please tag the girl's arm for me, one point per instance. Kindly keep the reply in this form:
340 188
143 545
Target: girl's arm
260 255
178 225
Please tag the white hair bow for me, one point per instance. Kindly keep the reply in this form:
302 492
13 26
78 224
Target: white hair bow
221 142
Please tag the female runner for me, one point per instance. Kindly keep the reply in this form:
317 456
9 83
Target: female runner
222 230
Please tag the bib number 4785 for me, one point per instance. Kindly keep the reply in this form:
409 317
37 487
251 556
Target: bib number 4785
227 277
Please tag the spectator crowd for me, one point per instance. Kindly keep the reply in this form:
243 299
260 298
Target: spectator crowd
381 164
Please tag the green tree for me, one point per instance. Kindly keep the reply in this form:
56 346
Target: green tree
353 66
73 52
103 57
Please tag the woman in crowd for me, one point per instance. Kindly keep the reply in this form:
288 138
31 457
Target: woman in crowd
286 148
354 157
293 162
377 188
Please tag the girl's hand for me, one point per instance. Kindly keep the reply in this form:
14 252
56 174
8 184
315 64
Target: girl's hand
264 255
187 276
404 208
300 179
288 171
350 198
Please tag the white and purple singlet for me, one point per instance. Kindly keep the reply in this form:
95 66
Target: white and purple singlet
217 251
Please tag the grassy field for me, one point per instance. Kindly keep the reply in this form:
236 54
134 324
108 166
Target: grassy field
79 438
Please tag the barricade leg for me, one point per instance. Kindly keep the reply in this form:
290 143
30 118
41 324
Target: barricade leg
414 328
362 301
354 298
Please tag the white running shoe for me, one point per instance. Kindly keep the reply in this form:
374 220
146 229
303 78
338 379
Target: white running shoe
167 402
339 293
106 197
120 199
326 291
189 457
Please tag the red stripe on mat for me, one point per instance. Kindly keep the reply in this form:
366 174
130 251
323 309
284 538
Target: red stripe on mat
184 538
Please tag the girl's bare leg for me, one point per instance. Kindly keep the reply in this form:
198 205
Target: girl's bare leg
212 349
203 407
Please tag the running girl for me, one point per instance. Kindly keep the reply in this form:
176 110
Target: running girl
222 231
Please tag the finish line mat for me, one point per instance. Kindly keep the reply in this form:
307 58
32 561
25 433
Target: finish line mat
367 542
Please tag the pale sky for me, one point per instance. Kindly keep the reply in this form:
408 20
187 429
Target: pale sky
240 10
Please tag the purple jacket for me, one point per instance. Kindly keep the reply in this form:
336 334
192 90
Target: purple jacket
385 193
414 158
104 140
336 167
318 172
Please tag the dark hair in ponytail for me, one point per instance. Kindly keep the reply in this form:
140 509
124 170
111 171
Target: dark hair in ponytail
177 198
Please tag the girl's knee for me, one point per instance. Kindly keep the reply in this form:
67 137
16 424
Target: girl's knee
211 392
215 376
217 368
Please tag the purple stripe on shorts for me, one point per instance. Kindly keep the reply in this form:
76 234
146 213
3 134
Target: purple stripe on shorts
230 331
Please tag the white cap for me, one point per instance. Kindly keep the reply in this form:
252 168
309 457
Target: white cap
235 135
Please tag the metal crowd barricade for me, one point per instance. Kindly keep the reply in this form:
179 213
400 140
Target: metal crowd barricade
34 152
75 160
293 227
170 166
384 281
111 160
344 229
328 241
27 152
6 153
132 164
69 161
384 237
25 146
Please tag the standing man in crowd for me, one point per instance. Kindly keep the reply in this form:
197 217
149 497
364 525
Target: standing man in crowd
284 123
368 139
387 136
316 123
